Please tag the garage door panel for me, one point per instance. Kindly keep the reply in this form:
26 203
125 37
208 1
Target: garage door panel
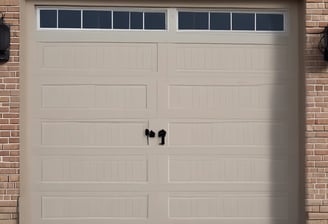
112 57
227 133
117 97
119 206
95 221
220 168
85 133
89 114
118 169
188 59
228 220
220 96
259 101
232 150
88 150
102 97
228 205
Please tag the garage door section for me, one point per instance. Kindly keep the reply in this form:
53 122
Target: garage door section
222 85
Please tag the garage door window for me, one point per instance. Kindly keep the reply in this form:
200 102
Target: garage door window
97 19
48 18
102 19
234 21
243 21
193 20
69 19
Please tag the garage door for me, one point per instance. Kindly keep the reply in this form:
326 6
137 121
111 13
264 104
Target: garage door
215 84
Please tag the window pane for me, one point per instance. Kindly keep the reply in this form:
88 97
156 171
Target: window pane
48 18
69 19
136 20
121 20
220 21
243 21
193 20
154 21
272 22
97 19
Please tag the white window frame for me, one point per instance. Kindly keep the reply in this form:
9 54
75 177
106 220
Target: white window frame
284 13
143 10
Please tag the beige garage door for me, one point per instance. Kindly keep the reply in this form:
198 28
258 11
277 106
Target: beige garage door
226 99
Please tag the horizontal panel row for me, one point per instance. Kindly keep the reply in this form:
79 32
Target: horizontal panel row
241 100
146 57
120 133
180 206
188 168
213 100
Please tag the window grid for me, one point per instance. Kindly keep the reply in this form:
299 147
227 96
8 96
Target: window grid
281 27
112 19
57 15
231 20
82 13
230 14
143 19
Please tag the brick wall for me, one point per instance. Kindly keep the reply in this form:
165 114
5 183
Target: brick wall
9 119
316 115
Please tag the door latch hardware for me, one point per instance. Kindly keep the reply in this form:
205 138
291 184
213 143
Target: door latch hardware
162 134
149 134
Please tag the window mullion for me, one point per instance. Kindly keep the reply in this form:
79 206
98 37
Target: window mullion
82 11
209 21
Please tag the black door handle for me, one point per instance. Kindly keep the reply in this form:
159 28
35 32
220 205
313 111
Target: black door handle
149 134
162 134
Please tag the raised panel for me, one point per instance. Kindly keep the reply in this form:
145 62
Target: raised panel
206 58
120 169
221 168
227 97
125 97
95 56
227 133
102 133
89 207
114 97
231 206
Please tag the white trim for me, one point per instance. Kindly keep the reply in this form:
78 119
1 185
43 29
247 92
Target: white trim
209 20
143 21
255 22
230 13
